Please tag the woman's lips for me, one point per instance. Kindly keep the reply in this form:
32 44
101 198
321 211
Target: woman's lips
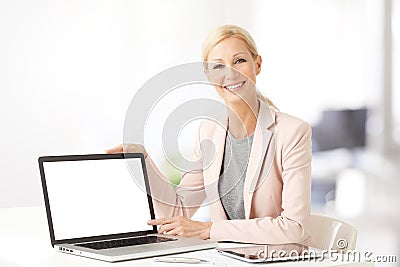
234 87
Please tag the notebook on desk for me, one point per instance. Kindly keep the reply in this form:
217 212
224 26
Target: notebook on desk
98 207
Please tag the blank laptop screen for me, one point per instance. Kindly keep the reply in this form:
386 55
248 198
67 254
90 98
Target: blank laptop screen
96 197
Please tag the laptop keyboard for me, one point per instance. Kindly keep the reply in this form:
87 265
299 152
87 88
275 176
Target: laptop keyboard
125 242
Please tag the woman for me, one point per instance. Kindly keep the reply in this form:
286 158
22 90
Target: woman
264 201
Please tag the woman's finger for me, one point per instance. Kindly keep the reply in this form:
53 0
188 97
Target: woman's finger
159 221
134 148
167 227
175 231
117 149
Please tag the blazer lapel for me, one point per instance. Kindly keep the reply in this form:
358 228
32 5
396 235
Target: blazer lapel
261 146
211 175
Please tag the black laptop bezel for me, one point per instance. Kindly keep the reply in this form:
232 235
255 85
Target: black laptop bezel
41 160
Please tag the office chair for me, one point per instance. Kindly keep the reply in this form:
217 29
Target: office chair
328 233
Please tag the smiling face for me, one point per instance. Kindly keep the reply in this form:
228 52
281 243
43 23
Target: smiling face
233 69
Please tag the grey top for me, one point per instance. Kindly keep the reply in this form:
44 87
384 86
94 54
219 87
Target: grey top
233 173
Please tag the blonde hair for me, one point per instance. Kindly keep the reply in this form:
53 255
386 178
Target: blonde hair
226 31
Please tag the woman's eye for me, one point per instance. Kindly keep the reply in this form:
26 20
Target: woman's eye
240 60
218 66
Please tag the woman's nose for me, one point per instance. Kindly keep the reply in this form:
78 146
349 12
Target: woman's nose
230 72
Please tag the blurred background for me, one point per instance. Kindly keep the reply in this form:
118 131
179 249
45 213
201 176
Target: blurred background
69 70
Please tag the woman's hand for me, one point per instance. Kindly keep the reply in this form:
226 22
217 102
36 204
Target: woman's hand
183 227
127 148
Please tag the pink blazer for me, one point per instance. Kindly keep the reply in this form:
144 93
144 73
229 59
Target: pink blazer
277 185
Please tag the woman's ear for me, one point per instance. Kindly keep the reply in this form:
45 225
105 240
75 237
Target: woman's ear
258 64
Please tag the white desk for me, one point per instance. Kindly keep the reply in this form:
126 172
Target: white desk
25 241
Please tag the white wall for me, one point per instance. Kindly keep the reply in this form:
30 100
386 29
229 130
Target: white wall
396 69
316 54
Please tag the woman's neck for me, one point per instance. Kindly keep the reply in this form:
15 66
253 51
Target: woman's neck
242 118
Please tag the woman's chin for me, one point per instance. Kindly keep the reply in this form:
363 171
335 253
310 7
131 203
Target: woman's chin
233 97
238 98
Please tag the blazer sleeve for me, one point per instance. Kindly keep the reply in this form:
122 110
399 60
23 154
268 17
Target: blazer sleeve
291 226
186 198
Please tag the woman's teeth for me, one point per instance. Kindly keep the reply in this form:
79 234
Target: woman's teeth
234 87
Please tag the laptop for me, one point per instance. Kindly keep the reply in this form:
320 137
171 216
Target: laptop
98 206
